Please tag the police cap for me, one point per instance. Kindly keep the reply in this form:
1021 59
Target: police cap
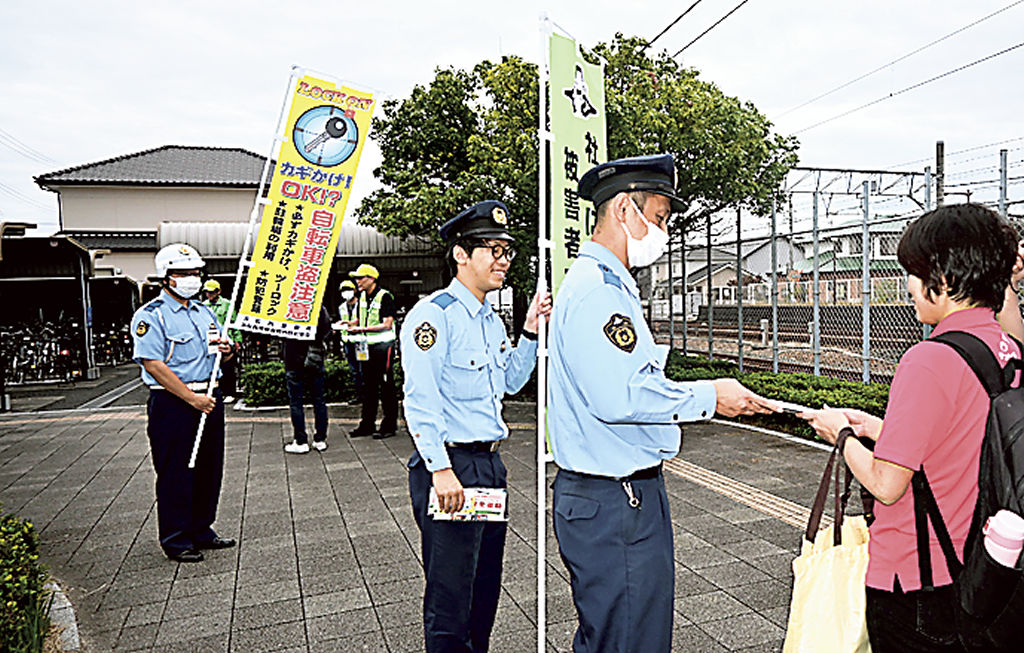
654 174
482 220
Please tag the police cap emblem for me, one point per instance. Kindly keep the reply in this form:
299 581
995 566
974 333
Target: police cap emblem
620 331
141 329
499 216
425 336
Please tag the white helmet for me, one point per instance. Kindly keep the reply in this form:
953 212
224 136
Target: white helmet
177 256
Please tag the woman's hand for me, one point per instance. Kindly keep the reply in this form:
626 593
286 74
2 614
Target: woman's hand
863 424
827 423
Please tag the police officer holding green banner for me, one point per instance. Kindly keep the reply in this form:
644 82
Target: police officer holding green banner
375 351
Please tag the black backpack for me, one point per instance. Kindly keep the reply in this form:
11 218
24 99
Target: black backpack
990 614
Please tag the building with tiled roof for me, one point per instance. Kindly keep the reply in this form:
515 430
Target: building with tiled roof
131 205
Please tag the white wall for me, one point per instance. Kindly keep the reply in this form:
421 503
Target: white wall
121 208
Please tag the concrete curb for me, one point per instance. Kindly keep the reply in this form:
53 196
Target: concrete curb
62 615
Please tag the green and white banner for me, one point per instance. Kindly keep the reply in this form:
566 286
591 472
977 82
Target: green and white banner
578 143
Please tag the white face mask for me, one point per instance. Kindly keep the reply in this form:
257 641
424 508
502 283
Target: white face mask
187 287
641 253
347 295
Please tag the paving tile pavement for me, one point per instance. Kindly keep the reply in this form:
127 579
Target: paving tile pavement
329 557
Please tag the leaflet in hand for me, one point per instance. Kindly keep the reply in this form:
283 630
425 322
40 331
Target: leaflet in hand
481 504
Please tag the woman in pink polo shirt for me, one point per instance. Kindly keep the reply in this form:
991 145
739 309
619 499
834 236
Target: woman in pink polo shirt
959 259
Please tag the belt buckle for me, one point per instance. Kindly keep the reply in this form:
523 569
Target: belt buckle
494 445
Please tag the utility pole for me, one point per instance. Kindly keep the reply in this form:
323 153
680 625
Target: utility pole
940 173
1002 182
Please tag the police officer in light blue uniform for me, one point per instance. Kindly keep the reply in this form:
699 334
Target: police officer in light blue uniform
613 416
459 363
176 340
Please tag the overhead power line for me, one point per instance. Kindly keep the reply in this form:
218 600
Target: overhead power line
910 88
679 18
9 141
896 61
717 22
965 151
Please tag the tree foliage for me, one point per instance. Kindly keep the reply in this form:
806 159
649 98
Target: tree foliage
472 135
725 152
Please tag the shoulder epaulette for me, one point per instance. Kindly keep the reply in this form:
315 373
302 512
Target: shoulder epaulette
444 300
152 304
609 276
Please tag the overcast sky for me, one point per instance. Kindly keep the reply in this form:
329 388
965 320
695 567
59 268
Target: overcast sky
88 81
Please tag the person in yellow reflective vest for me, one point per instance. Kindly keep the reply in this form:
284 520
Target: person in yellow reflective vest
374 338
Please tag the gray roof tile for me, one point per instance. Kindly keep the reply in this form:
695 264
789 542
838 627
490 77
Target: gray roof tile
170 165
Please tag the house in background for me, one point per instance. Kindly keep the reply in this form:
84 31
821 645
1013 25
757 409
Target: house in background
127 207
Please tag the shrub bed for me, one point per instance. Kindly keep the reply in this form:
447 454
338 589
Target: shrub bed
805 389
24 604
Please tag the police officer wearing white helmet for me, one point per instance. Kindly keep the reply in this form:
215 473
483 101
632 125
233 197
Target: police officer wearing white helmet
176 342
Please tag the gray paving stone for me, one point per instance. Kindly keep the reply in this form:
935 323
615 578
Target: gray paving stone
267 614
744 631
700 608
200 604
762 595
340 624
732 574
349 599
692 638
247 595
137 637
189 628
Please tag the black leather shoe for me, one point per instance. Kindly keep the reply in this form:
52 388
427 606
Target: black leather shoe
188 555
360 433
218 543
383 434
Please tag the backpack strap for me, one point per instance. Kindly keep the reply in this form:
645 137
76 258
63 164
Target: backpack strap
978 357
925 508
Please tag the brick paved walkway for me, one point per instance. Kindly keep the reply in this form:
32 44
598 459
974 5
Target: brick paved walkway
329 555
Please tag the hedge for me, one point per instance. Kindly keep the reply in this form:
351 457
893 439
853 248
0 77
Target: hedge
24 604
805 389
264 384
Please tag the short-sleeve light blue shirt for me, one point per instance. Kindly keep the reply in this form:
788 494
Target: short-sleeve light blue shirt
458 364
611 411
165 330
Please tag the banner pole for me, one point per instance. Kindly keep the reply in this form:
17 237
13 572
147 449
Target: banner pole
243 257
543 247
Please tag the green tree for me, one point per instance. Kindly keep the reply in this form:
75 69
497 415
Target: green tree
472 135
725 152
465 138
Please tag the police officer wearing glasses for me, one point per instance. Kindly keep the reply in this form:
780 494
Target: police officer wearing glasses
176 342
459 364
613 416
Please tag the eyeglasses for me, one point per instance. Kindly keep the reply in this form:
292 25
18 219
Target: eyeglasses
499 250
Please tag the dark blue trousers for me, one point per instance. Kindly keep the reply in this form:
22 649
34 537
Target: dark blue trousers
620 562
298 381
461 560
186 499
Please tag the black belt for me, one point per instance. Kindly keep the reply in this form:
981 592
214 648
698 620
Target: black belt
639 475
480 447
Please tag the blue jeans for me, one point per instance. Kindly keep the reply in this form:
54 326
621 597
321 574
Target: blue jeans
296 395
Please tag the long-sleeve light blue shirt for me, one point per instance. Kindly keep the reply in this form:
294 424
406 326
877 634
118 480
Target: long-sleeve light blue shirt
611 411
166 330
458 364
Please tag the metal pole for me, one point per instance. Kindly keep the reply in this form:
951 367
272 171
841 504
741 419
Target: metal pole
682 247
775 293
711 301
865 289
671 301
91 371
940 170
816 301
926 329
928 188
1002 182
739 287
543 247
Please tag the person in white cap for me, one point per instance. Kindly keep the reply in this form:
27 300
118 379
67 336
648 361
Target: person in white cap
176 342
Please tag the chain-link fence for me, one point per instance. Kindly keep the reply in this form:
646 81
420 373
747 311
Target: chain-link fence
831 301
